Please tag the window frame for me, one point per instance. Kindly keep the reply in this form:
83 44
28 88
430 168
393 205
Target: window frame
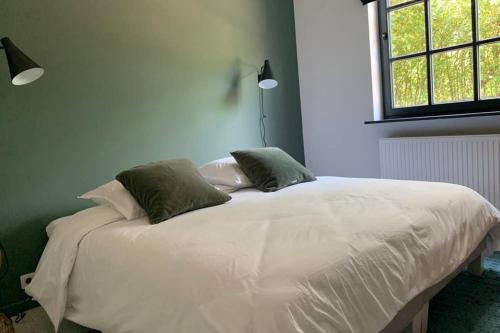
454 108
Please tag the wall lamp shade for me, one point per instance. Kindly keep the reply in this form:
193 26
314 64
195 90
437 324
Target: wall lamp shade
266 78
23 70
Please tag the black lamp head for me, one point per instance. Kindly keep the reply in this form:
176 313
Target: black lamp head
266 78
23 70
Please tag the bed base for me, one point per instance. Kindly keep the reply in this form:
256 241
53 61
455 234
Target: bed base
419 322
413 318
476 267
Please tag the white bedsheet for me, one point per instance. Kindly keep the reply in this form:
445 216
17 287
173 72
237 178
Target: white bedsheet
335 255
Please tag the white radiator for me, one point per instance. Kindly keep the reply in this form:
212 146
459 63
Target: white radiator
470 160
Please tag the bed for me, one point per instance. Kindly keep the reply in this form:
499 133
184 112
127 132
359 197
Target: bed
334 255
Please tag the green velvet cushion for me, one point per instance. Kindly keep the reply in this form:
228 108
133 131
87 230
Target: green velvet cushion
271 169
169 188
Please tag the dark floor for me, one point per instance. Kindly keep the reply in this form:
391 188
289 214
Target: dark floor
469 304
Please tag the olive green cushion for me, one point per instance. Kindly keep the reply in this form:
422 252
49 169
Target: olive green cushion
271 169
169 188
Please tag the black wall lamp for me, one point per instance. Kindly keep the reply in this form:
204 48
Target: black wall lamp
266 82
266 77
23 69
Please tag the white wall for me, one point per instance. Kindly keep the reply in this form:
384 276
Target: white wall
335 86
336 94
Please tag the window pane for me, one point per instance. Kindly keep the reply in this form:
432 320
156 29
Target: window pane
489 63
409 82
453 78
489 18
451 22
395 2
407 30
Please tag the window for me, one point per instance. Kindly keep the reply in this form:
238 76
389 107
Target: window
440 57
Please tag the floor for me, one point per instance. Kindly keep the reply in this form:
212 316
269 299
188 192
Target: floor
469 304
36 321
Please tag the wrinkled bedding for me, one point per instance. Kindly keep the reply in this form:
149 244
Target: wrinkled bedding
335 255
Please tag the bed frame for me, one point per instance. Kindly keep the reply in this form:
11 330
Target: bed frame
413 317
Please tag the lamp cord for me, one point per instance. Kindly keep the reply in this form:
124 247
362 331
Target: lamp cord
5 262
262 120
262 115
4 267
22 312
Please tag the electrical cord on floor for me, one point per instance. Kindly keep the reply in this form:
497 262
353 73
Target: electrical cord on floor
22 312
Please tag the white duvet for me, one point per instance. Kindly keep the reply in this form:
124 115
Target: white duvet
335 255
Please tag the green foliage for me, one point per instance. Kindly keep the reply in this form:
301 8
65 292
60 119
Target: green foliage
410 82
452 72
453 76
489 55
407 30
396 2
489 18
451 22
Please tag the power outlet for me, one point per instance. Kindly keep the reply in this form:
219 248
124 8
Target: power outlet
26 279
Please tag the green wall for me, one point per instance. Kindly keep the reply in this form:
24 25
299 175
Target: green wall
128 82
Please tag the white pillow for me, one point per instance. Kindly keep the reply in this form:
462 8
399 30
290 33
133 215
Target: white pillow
93 213
225 188
225 174
115 195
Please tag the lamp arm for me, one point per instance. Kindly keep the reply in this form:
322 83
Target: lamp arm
255 68
259 73
249 65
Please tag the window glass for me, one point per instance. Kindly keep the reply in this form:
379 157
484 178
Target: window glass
489 18
489 63
409 77
451 22
396 2
407 30
453 76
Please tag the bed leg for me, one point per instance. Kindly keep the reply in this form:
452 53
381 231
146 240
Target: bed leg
476 267
425 317
419 322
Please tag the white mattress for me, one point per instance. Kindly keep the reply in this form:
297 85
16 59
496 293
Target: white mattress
335 255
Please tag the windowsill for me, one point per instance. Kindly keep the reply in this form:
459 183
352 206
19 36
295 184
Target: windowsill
465 115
